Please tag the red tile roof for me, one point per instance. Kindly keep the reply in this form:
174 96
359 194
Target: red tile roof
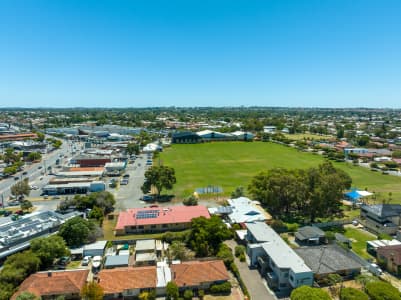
194 273
391 252
19 136
119 279
160 215
59 283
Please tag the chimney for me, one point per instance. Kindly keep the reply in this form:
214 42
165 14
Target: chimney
49 274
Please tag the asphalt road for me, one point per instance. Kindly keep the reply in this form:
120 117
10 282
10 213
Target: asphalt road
35 172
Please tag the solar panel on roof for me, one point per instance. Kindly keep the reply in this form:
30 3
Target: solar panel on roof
147 214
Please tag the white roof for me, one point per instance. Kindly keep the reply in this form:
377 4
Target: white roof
96 245
245 210
163 274
279 251
364 193
142 245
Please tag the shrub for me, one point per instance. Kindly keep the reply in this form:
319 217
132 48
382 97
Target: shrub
188 294
239 250
308 293
380 290
352 294
242 257
222 288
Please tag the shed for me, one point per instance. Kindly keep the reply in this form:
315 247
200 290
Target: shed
145 246
310 235
115 261
95 249
142 259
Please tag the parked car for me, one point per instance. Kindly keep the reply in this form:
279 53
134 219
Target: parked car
96 261
33 187
25 173
126 176
86 261
124 182
147 198
40 167
16 178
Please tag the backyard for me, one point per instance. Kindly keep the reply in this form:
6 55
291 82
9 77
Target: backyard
359 238
232 164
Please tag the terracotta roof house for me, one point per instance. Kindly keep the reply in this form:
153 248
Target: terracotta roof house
391 257
127 282
158 219
49 285
199 274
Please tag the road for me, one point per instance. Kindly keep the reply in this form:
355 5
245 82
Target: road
127 196
34 172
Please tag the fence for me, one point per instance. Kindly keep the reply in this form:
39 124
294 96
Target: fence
333 223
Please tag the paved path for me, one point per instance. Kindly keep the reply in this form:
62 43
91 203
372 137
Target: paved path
252 279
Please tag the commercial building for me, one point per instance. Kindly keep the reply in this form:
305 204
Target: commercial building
90 161
158 219
74 188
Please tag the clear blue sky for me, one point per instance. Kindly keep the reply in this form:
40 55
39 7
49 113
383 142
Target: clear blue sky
326 53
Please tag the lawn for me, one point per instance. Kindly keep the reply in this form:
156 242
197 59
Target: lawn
233 164
359 239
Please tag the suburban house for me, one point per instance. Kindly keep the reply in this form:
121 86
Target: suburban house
283 268
381 218
186 137
390 256
53 284
127 283
241 210
330 259
199 274
310 235
158 219
372 246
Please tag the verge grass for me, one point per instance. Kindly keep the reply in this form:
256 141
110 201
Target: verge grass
233 164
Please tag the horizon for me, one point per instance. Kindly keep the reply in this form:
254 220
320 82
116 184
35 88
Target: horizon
315 54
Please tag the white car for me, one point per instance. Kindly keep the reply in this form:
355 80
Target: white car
96 261
34 187
86 260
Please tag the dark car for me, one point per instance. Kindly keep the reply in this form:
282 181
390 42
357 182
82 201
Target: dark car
25 173
16 178
40 167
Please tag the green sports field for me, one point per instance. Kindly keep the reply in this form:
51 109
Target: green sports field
231 164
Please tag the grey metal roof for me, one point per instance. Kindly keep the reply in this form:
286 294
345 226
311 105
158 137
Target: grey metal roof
383 210
327 259
309 232
258 231
116 260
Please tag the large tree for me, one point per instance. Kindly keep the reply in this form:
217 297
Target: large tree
34 156
77 231
133 148
314 192
207 235
21 188
48 249
160 177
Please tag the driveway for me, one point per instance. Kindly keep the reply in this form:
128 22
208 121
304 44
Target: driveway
254 282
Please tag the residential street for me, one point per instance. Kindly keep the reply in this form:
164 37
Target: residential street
256 286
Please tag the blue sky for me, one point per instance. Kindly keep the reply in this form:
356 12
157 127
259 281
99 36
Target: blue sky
119 53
